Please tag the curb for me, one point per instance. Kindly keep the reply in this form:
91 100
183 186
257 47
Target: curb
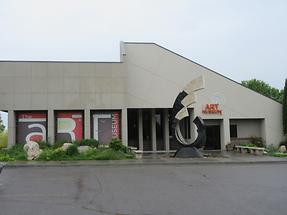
149 163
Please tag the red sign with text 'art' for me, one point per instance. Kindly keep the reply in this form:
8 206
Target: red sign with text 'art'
212 109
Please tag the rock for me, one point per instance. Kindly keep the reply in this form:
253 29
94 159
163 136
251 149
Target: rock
282 149
65 146
83 149
32 150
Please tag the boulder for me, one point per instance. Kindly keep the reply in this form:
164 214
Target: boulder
84 149
32 150
65 146
282 149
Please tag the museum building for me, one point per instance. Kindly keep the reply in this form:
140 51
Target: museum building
131 99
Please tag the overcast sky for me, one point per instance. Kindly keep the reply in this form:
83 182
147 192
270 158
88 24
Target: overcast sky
241 39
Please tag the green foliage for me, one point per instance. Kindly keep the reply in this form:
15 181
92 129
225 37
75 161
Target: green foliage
3 139
247 144
59 143
257 141
94 154
110 154
5 157
57 154
117 145
279 154
285 109
271 149
264 89
15 153
254 142
43 144
53 154
72 150
87 142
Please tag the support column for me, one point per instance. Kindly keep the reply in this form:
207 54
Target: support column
263 130
225 133
192 125
166 129
124 118
140 127
51 127
153 130
11 128
87 125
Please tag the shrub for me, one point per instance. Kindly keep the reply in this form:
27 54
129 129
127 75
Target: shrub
257 141
90 142
43 144
59 143
117 145
72 150
76 142
248 144
110 154
53 154
6 157
3 139
279 154
87 142
272 149
17 152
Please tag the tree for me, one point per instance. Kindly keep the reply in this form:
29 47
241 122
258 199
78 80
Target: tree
2 126
285 109
264 89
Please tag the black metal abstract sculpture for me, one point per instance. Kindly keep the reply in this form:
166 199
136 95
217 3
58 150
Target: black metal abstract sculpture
180 111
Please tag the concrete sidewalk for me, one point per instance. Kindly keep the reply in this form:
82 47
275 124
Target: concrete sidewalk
159 159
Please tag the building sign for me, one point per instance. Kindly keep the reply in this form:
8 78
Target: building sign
106 126
69 125
31 126
212 109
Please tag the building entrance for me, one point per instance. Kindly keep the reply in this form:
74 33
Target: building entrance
212 137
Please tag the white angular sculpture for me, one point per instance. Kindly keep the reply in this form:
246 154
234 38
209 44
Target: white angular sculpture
32 150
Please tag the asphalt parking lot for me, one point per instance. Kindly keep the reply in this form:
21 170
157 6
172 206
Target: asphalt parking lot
145 189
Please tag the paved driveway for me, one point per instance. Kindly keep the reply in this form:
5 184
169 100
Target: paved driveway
145 189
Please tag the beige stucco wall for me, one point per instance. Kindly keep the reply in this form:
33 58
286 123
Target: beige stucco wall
52 85
62 86
149 76
248 128
156 75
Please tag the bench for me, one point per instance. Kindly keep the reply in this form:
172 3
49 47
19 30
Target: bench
251 150
138 153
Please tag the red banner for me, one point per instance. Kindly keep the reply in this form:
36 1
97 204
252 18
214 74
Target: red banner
31 126
69 126
116 125
106 126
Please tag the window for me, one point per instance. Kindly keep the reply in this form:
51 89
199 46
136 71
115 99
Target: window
233 131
